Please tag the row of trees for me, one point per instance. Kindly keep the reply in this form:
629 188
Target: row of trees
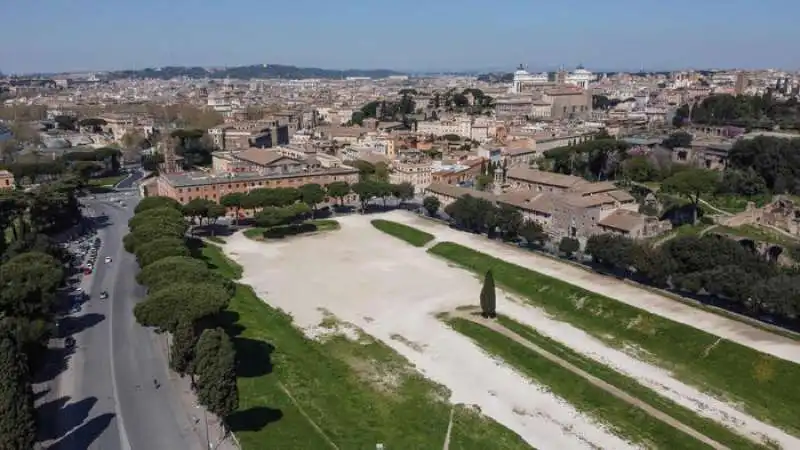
31 272
184 298
712 265
747 111
312 195
84 163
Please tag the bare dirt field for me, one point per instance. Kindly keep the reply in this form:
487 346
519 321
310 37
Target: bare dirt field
392 291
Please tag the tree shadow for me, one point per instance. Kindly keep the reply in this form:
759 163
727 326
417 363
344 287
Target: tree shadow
253 419
253 357
228 320
56 418
85 435
53 363
70 325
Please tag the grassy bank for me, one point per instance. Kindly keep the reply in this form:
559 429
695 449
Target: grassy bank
297 392
282 231
708 427
409 234
624 420
763 384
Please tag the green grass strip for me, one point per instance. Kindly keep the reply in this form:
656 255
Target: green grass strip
409 234
765 385
623 419
708 427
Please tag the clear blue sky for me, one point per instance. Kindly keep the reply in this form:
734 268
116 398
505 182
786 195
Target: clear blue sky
66 35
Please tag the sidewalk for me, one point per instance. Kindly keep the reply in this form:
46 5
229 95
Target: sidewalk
205 425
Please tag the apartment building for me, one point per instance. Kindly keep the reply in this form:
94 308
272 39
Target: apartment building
243 135
412 167
248 170
568 102
463 172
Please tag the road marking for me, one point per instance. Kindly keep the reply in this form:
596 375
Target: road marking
126 445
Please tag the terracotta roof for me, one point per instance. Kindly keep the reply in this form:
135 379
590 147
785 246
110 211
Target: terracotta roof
458 191
623 219
542 202
587 201
622 196
260 156
595 188
546 178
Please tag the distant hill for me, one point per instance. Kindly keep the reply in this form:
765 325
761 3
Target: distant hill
247 72
496 77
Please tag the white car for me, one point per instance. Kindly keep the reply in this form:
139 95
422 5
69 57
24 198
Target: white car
107 259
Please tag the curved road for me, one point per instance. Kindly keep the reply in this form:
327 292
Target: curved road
108 383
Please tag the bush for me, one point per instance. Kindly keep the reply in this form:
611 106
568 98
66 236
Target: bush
283 231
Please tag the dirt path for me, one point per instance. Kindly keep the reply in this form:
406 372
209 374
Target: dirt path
449 429
620 394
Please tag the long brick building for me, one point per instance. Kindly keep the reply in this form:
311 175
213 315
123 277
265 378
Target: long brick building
250 169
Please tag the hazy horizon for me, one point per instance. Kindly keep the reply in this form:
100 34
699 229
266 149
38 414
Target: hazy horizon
423 36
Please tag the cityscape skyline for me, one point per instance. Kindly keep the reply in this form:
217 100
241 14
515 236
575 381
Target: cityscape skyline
365 35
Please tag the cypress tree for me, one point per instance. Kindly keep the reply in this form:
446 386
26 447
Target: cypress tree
488 296
182 350
215 369
17 413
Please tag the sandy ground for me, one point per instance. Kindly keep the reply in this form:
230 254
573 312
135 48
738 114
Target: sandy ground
389 289
723 327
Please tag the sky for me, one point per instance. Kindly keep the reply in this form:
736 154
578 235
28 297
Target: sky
408 35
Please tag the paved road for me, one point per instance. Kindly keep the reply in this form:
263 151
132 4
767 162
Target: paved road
130 180
108 385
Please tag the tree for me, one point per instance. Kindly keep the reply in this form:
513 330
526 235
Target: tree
488 296
150 231
365 191
29 284
338 189
156 202
312 194
181 352
483 181
214 212
640 169
431 205
678 139
533 233
234 200
215 369
272 216
509 221
161 309
693 184
17 413
197 208
150 252
569 246
403 191
164 273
